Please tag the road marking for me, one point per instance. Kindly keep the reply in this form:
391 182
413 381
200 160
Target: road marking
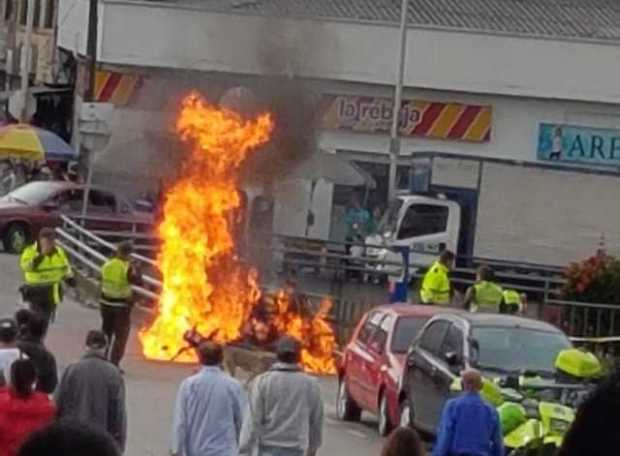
355 433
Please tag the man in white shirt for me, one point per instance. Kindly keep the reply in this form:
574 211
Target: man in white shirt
8 348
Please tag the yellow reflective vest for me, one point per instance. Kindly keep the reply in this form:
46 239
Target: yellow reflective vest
115 283
436 285
512 298
50 271
487 297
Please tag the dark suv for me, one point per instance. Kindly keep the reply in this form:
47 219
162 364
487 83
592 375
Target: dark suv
497 345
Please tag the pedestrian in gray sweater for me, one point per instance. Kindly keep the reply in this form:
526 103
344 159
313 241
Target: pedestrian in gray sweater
93 391
285 409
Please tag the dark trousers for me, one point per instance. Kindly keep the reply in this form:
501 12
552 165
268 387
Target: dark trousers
116 323
40 300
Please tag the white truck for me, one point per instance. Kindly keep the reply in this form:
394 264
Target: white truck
496 210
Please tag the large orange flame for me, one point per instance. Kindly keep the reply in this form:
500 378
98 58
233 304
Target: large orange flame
204 286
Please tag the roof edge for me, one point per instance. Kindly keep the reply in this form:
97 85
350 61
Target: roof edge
560 38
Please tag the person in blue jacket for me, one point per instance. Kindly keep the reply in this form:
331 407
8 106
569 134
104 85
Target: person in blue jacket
469 426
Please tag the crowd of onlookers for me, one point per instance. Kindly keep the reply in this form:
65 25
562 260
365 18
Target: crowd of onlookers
83 413
39 414
15 172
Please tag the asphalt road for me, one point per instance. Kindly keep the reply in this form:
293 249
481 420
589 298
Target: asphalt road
151 386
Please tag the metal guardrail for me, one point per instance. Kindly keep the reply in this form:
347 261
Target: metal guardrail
89 250
584 320
317 260
94 237
73 238
576 318
337 261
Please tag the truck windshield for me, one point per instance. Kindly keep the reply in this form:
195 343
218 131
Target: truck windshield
516 350
388 223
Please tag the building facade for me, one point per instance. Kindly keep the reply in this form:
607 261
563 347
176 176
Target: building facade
490 78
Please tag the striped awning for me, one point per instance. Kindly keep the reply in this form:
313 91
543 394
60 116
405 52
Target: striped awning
116 88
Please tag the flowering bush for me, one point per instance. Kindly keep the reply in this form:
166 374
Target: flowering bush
595 280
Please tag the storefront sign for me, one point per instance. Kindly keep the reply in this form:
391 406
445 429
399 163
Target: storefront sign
452 121
567 143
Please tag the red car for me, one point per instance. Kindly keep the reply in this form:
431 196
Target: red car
373 361
35 205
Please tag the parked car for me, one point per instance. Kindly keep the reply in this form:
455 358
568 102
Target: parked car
497 345
27 209
372 362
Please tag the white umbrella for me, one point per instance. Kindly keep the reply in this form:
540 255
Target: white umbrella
330 167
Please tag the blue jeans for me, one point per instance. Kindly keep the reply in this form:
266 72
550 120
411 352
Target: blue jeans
279 451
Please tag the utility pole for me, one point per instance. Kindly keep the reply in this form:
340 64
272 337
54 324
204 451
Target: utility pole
26 60
91 49
398 99
11 40
89 93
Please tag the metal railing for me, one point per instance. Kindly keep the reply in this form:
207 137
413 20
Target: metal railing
345 272
85 248
584 320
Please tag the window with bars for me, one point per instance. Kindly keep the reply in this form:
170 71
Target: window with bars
23 12
9 7
50 14
37 13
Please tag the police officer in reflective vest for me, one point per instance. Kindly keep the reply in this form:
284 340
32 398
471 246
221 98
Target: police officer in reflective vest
117 276
484 295
436 287
513 303
45 266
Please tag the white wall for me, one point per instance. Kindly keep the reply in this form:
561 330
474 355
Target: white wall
73 25
545 216
168 35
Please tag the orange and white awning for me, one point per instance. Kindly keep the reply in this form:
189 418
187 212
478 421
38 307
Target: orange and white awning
116 88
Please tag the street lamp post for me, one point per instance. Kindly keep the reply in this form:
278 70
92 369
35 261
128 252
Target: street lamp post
398 98
96 136
91 45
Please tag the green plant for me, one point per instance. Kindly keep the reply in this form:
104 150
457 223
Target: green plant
595 280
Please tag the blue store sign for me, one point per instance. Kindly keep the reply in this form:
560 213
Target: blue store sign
567 143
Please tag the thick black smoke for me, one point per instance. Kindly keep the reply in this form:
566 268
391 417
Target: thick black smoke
283 50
